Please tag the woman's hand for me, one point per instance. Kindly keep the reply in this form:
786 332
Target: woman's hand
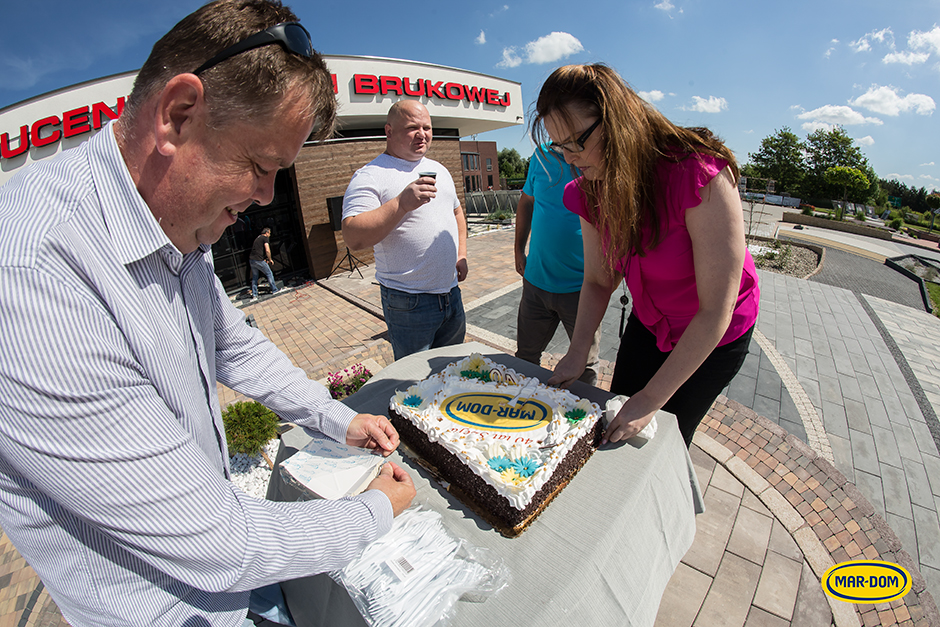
635 414
568 370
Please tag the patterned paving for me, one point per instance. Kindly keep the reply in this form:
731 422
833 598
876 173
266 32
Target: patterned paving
778 513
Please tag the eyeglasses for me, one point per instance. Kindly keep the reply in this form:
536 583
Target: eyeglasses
578 144
291 35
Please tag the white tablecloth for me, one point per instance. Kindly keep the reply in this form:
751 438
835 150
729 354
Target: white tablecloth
600 554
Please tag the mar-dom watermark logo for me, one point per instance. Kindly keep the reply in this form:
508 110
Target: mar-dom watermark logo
866 581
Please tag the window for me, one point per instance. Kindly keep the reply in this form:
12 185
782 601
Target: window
470 161
489 168
489 180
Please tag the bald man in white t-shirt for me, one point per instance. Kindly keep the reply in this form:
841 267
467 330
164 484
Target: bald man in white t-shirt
406 207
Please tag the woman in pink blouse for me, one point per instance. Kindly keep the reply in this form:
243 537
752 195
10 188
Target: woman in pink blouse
659 207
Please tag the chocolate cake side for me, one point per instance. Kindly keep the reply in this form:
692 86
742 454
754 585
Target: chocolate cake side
477 494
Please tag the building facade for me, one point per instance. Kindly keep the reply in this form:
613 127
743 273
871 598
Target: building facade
480 166
304 216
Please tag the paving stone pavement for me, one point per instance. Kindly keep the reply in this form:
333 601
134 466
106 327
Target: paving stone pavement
778 512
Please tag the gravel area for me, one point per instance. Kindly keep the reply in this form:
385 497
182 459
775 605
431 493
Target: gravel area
784 258
924 271
251 474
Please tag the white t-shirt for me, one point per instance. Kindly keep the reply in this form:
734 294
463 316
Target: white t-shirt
419 256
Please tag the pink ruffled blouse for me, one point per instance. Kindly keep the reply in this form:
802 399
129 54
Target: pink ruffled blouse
662 283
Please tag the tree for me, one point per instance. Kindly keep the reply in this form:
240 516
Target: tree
933 201
511 164
911 197
829 149
848 179
780 158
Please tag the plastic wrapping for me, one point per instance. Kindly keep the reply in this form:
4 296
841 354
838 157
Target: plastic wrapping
413 575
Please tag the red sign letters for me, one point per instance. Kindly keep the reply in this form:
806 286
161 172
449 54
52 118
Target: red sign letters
52 129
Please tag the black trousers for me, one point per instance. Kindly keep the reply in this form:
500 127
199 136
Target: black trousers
638 359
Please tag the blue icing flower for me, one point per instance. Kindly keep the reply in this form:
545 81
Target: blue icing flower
525 466
413 401
499 464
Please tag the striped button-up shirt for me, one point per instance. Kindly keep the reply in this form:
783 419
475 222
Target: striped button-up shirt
113 461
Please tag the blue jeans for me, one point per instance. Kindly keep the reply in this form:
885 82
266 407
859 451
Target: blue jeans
417 322
268 603
261 266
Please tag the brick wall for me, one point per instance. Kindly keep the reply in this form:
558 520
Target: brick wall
324 170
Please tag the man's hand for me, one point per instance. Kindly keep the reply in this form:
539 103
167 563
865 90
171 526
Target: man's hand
372 432
396 484
520 261
417 193
462 269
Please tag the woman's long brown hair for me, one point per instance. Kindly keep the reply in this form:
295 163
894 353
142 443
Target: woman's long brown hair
636 137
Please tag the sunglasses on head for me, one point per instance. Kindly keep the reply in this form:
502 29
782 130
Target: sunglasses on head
291 35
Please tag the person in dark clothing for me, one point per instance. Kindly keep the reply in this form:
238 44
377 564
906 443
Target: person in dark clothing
260 261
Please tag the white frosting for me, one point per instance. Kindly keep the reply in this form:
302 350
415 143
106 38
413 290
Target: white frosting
472 419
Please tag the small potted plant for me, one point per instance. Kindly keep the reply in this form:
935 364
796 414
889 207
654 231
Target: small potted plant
347 382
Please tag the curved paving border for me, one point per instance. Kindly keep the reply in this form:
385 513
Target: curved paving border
825 514
812 422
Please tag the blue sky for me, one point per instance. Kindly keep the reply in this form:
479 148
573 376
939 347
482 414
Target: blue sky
742 68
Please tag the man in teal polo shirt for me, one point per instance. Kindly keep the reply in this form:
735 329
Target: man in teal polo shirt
554 269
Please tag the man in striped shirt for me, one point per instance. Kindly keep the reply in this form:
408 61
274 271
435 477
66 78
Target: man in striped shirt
113 459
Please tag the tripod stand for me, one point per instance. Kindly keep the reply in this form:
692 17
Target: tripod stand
353 263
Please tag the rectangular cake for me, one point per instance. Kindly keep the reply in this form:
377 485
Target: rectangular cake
506 443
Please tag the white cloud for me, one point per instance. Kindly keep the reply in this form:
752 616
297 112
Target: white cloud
886 101
712 104
552 47
481 39
831 49
812 127
837 114
664 5
651 96
907 58
928 164
929 40
510 58
546 49
868 140
894 175
501 9
863 44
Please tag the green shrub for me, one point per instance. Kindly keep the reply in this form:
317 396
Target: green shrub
249 425
896 224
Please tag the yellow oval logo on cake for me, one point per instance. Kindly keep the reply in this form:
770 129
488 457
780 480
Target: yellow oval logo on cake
490 412
869 581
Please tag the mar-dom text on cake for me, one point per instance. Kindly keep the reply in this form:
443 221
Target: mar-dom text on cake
506 460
